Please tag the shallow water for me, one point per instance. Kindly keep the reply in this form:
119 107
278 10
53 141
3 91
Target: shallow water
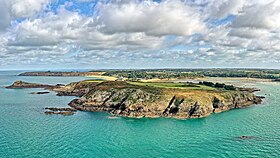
27 132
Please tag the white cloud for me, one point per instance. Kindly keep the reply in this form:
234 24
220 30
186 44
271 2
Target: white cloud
45 37
263 15
5 17
13 9
138 32
255 31
223 8
27 8
156 19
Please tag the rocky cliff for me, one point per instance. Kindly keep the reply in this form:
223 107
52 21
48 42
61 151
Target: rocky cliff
139 100
123 99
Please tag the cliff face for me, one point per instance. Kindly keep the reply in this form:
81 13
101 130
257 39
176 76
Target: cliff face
140 102
153 100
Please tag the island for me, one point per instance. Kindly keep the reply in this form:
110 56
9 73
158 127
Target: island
139 99
22 84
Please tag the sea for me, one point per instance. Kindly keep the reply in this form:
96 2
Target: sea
25 131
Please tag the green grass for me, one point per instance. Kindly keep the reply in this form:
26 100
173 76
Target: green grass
95 80
116 99
173 85
152 87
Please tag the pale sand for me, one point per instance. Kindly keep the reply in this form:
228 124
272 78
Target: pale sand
107 78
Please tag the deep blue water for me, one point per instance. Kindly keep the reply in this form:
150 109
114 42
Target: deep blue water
25 131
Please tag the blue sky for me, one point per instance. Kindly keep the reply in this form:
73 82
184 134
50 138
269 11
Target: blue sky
93 34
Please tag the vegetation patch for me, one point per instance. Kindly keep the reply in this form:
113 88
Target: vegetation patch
218 85
134 75
173 85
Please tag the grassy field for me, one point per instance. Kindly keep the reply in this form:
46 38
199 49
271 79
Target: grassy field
189 86
190 92
173 85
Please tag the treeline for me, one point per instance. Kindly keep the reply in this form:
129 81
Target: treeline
248 74
218 85
150 75
195 73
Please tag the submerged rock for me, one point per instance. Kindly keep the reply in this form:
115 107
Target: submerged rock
60 111
39 92
244 137
65 113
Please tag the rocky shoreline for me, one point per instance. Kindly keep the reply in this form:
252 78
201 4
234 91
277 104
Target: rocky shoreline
125 99
176 107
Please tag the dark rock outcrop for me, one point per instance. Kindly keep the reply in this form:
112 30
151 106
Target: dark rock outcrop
39 92
194 110
60 111
169 105
174 106
217 103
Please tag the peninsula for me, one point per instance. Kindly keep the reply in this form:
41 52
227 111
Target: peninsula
152 99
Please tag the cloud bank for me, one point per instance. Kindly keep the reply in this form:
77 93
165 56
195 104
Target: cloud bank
139 33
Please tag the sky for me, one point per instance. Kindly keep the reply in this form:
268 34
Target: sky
118 34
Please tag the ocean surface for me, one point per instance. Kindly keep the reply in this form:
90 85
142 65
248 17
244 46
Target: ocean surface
25 131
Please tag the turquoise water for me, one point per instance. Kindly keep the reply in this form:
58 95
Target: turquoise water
25 131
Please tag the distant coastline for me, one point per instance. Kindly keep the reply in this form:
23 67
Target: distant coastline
165 74
59 73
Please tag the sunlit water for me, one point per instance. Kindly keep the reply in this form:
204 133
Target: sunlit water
25 131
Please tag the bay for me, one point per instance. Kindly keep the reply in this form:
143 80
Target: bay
25 131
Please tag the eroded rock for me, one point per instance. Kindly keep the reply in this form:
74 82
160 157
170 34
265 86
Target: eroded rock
60 111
